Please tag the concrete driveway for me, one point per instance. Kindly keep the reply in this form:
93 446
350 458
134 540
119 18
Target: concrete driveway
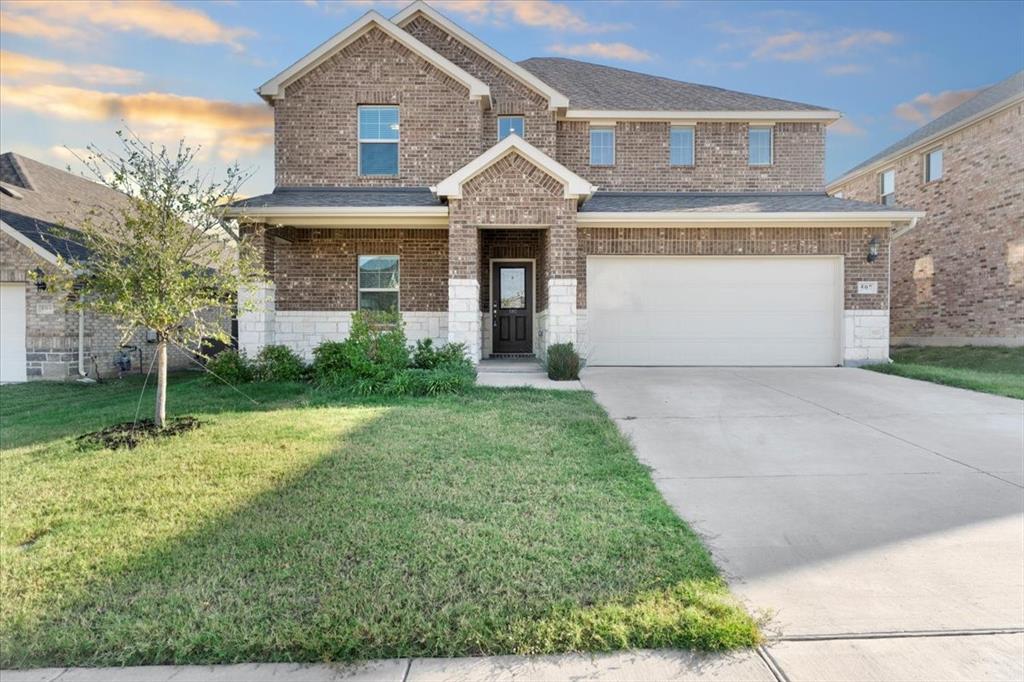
846 503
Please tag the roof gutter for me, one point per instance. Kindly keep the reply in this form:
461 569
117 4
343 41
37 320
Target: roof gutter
342 216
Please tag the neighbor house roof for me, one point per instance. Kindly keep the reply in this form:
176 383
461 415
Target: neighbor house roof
986 102
37 201
596 87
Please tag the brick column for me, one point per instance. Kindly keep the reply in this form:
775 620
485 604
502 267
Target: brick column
559 322
463 282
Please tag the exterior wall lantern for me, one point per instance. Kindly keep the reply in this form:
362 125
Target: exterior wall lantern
37 276
873 250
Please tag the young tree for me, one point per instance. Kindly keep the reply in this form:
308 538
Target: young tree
165 260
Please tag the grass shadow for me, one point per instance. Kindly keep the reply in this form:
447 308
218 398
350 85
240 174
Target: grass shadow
481 524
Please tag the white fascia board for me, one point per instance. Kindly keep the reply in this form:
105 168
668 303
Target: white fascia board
575 186
596 115
709 217
275 87
45 254
556 100
332 211
926 142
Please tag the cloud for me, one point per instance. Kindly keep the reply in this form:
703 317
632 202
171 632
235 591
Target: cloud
927 106
845 126
845 69
63 20
800 46
230 128
533 13
617 51
15 66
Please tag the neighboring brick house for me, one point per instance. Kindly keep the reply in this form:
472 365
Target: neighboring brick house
39 337
509 206
958 278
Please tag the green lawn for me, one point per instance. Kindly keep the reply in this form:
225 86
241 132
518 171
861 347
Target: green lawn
979 368
317 527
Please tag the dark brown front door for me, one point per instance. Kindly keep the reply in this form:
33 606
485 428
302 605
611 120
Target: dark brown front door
512 307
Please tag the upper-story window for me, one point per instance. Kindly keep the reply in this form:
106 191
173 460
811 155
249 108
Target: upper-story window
933 165
602 146
887 187
680 147
511 124
760 142
378 140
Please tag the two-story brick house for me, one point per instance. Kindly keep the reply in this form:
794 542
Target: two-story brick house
958 278
511 205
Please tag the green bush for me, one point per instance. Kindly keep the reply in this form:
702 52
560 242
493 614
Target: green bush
427 356
423 382
563 362
330 363
230 366
376 347
279 363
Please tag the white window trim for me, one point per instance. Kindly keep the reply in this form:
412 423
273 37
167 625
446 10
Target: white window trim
498 125
881 186
771 146
926 169
360 289
590 149
360 141
693 148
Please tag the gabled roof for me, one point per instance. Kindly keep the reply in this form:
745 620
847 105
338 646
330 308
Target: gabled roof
275 88
575 186
555 98
596 87
985 103
38 200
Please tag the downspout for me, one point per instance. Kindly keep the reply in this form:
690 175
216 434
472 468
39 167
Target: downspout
83 375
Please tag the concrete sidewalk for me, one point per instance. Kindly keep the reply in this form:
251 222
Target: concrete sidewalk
905 658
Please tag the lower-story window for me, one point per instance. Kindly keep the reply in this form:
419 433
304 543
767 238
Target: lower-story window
378 282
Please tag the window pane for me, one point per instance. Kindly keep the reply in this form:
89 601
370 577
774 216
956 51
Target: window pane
681 147
513 288
378 123
378 158
510 124
602 147
888 182
760 146
378 300
378 272
935 165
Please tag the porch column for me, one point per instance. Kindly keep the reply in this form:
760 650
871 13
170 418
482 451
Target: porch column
463 282
561 244
256 312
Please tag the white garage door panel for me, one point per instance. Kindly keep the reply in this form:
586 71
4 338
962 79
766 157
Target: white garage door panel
12 331
659 310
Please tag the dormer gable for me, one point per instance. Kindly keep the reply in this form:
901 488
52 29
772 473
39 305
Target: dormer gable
276 87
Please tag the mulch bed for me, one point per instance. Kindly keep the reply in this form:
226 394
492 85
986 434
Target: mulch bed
130 434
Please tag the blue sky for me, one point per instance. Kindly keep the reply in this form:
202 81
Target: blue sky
71 72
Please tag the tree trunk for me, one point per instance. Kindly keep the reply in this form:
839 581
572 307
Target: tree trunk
160 414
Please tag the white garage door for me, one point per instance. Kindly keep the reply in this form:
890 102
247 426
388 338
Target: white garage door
665 310
12 331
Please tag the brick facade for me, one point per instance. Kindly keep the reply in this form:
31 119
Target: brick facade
51 329
852 243
958 277
316 127
720 158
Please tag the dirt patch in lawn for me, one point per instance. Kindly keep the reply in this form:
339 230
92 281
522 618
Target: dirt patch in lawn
131 434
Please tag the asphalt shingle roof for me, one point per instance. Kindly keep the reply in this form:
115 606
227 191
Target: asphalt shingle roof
990 97
44 203
369 197
593 86
706 202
